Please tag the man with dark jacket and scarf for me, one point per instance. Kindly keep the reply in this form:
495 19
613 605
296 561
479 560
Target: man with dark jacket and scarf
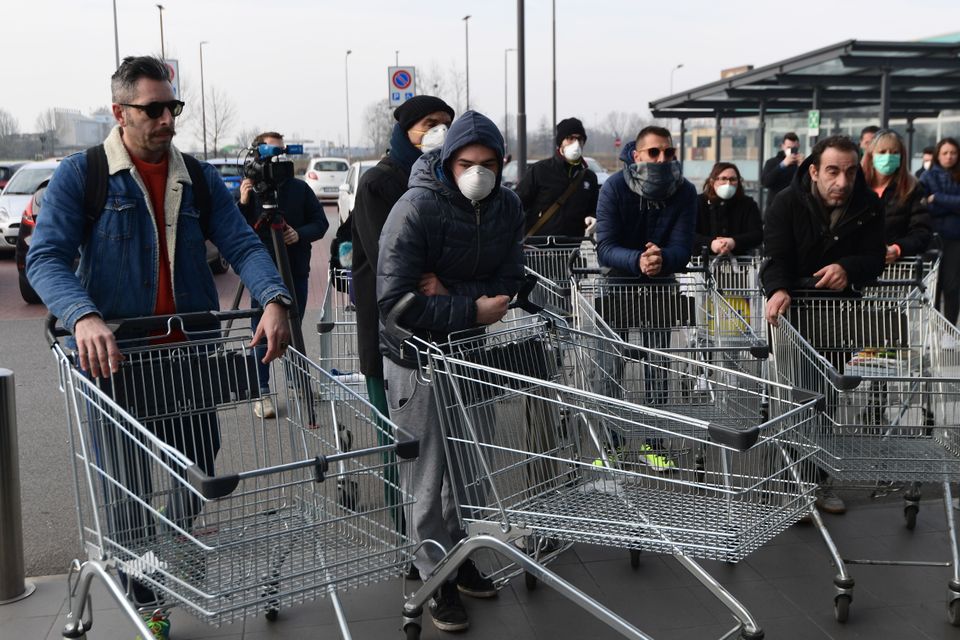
549 179
779 170
455 241
421 126
827 226
305 223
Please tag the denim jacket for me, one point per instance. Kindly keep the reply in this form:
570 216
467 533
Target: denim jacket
118 272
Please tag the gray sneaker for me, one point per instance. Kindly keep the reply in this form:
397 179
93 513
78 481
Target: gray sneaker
828 501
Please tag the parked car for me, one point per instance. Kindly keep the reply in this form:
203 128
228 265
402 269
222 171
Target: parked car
509 179
231 170
598 169
16 195
325 175
348 190
7 169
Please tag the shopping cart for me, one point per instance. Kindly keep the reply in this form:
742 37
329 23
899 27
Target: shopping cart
192 499
549 259
737 281
553 472
891 383
338 331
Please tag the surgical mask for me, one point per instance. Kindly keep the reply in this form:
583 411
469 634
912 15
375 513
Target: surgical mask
433 138
725 191
573 151
886 163
476 182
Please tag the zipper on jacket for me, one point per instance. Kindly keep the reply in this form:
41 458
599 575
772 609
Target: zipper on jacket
476 262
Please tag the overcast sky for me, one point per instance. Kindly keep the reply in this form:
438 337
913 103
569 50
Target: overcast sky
282 61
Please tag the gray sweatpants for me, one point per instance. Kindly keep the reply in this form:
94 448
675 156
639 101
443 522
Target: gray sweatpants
433 515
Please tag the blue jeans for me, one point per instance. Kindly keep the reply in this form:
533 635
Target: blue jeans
263 370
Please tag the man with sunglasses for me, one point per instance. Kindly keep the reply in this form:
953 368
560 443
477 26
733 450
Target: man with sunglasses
142 253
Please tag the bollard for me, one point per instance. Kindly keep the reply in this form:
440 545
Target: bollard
13 587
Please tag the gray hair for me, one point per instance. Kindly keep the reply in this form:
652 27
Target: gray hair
123 83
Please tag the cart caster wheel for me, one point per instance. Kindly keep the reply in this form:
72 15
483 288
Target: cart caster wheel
272 615
757 635
635 558
841 607
910 516
953 612
413 631
530 580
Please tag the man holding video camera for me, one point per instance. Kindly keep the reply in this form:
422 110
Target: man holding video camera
779 170
304 222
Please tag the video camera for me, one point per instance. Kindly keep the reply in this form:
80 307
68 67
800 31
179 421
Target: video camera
265 167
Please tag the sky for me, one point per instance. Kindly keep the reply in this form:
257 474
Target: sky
281 62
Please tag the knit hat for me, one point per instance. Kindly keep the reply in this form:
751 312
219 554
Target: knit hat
417 108
569 127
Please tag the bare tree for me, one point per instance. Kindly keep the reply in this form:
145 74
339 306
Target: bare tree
456 88
8 124
46 126
378 124
220 117
246 136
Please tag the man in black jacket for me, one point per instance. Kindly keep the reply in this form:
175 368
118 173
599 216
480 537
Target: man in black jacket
549 179
778 171
305 222
421 125
828 227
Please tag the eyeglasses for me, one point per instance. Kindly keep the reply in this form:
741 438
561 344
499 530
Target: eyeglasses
155 109
654 152
731 180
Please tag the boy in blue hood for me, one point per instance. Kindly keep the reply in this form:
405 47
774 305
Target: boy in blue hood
454 240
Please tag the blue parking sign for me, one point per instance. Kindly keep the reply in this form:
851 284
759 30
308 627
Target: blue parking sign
407 95
395 95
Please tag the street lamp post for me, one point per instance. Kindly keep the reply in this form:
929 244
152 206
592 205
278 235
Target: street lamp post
521 91
163 52
203 102
554 10
506 111
346 79
116 36
672 71
466 33
396 59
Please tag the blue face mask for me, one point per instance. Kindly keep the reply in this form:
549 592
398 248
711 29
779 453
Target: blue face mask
886 163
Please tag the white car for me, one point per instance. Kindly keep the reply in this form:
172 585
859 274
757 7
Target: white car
598 169
325 175
348 190
17 194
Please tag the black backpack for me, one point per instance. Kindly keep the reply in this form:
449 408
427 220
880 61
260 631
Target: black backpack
95 189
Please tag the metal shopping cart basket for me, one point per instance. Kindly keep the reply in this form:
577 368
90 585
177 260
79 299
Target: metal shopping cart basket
338 331
549 259
189 497
526 440
737 281
887 365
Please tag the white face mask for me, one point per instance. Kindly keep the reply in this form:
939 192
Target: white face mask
725 191
926 165
573 151
433 138
476 183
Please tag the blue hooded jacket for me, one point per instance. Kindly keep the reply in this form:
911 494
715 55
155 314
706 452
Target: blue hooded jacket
945 208
475 249
627 221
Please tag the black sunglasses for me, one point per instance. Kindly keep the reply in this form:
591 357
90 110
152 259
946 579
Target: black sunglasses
155 109
669 153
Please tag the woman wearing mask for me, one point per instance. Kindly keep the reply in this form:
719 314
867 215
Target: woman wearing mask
942 184
728 220
907 221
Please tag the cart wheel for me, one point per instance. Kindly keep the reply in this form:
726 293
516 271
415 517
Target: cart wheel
272 615
910 516
841 607
413 631
953 612
757 635
530 580
635 558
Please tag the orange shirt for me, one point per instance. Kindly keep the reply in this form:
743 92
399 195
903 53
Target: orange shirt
155 178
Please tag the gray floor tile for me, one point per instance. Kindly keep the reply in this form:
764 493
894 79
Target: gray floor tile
872 624
47 600
762 600
22 628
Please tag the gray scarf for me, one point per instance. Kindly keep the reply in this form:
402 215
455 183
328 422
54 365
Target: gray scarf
654 180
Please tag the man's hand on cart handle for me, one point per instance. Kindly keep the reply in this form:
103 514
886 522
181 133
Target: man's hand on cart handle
832 276
651 260
777 305
274 325
490 310
96 346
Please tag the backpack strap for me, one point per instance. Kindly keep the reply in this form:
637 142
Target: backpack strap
95 188
201 192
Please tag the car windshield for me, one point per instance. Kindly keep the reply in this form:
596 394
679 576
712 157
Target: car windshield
230 170
595 166
365 168
330 165
5 173
26 181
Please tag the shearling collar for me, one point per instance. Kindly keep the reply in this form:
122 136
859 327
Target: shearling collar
118 158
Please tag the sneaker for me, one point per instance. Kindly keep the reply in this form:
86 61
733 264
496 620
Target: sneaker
537 547
473 583
655 460
264 409
830 502
447 609
158 623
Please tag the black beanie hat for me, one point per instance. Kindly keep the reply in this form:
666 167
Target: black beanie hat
417 108
569 127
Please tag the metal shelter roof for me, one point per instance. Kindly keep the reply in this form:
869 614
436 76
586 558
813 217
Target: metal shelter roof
901 79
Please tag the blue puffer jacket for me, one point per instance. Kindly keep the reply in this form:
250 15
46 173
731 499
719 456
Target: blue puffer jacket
945 208
475 249
626 222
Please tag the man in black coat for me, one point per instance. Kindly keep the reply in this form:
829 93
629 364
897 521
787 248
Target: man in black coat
828 227
549 179
778 171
